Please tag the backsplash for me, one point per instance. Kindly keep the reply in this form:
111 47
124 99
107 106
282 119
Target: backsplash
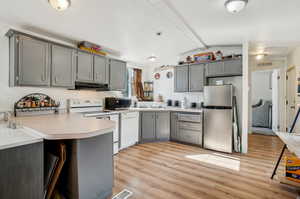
11 95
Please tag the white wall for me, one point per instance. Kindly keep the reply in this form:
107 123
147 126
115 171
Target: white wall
8 96
261 86
165 87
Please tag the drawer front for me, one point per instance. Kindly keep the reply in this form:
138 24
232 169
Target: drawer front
189 136
130 115
191 126
189 117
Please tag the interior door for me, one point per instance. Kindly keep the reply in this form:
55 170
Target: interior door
290 97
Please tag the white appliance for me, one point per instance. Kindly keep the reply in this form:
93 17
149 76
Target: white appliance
218 118
94 108
129 129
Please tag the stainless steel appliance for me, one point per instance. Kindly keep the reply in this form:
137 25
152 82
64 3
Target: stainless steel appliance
113 103
218 118
91 86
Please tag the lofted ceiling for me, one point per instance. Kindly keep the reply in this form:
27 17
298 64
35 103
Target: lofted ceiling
130 26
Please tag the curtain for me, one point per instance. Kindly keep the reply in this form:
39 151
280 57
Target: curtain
137 84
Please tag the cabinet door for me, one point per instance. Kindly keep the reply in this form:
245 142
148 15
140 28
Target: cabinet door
181 83
22 172
33 63
85 67
148 126
215 69
196 78
63 70
162 125
118 75
233 67
101 71
174 126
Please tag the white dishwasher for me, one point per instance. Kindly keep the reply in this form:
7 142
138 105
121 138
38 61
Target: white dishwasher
129 129
114 118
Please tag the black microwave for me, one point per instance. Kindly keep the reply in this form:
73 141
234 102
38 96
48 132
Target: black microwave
113 103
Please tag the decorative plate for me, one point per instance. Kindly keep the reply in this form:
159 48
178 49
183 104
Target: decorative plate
157 76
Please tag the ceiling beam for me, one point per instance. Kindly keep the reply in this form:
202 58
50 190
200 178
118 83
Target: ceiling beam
184 21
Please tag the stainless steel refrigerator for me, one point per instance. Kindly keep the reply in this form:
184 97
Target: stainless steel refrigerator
218 118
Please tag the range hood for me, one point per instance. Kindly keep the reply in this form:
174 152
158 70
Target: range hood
79 85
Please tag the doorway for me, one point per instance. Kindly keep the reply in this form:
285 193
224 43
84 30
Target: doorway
291 97
265 101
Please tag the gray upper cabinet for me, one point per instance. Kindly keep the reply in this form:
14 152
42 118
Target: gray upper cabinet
62 66
196 77
84 67
118 75
233 67
181 83
101 70
215 69
225 68
33 62
162 125
148 126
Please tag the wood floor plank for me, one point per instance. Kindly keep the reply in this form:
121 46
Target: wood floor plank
163 170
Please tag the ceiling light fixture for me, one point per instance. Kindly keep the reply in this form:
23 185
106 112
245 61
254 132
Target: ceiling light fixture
60 5
235 6
152 58
260 56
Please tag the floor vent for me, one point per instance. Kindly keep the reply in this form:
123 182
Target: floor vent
123 194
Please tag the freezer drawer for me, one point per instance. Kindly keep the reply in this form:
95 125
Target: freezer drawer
218 96
218 129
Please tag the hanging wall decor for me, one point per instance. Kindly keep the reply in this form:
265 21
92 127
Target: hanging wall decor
169 75
157 76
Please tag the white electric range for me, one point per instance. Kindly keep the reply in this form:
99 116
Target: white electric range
94 108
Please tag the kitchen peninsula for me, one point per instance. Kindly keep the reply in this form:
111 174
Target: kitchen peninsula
88 168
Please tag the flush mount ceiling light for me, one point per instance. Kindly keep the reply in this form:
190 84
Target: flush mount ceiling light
260 56
235 6
60 5
152 58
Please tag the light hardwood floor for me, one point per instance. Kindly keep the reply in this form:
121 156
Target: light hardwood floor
163 170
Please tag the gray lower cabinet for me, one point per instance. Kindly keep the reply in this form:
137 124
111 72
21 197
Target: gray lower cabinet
181 75
22 172
224 68
196 77
147 126
174 126
187 128
32 62
118 75
162 126
84 67
155 126
62 66
101 70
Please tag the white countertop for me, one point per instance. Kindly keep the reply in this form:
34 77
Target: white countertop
292 140
67 126
17 137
